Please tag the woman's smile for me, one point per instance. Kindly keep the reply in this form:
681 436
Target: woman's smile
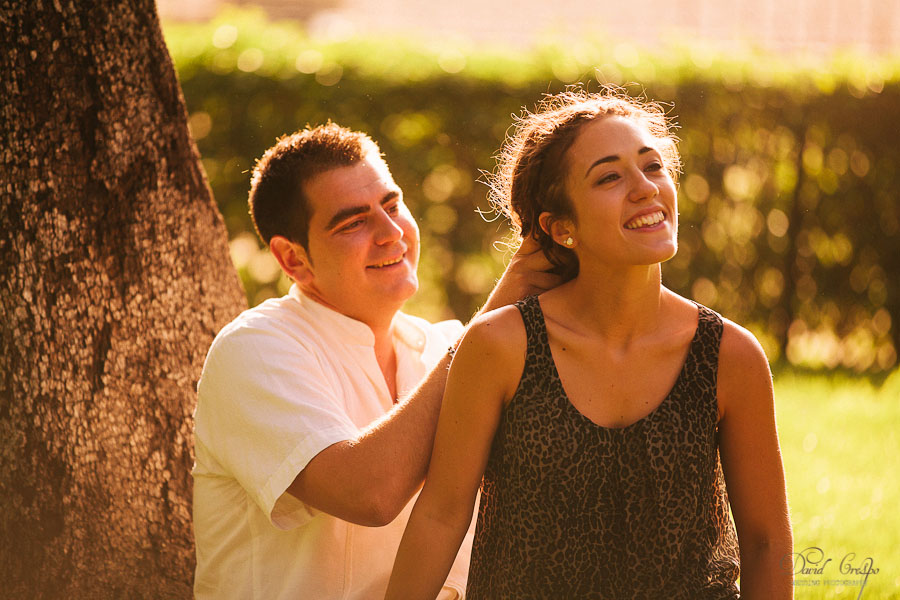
646 221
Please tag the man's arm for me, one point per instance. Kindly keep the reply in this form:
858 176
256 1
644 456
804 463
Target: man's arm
369 479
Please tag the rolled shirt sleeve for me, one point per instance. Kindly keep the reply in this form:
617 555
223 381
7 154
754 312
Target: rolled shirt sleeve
282 382
264 414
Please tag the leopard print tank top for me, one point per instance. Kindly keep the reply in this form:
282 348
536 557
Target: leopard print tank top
571 509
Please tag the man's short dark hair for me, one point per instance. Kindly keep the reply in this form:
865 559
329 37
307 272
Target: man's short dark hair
278 202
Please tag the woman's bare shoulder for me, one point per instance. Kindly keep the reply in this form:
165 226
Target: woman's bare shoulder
740 347
491 355
501 330
744 379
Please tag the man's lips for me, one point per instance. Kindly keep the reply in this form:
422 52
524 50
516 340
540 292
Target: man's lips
387 263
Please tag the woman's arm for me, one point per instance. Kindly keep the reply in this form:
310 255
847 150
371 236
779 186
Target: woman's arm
751 461
369 479
484 373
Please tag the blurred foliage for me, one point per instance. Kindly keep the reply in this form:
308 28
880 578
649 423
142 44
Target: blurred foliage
790 223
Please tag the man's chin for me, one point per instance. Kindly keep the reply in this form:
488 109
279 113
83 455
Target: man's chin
410 290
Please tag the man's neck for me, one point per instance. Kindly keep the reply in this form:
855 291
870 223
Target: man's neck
387 358
387 362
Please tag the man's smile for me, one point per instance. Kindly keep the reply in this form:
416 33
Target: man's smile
387 263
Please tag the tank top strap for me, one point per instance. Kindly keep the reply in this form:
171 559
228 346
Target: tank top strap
709 335
537 353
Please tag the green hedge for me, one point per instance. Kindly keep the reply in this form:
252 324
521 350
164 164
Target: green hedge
789 214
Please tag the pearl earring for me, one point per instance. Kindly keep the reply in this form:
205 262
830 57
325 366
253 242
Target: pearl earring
569 242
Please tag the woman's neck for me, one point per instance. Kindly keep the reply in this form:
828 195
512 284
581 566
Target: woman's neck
619 304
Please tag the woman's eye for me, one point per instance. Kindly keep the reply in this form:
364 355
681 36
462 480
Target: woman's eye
654 166
607 178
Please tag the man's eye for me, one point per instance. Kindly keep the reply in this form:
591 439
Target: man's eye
355 224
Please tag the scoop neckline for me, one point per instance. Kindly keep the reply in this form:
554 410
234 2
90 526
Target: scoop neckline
566 399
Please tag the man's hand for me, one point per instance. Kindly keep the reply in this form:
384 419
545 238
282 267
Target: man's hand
526 275
370 479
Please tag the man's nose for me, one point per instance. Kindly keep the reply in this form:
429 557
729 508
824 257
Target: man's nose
387 230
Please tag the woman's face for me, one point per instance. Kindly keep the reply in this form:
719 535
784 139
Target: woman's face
624 200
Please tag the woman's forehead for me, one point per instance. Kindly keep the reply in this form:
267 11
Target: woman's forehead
611 138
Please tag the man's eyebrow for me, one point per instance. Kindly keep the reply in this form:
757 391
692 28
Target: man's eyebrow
346 213
613 158
390 196
351 211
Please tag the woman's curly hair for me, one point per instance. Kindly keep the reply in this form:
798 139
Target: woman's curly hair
531 172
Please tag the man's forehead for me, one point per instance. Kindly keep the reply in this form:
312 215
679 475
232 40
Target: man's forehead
366 182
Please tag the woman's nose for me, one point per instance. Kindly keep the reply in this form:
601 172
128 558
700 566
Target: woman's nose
642 187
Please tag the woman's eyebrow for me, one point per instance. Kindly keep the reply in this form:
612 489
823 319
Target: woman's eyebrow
613 158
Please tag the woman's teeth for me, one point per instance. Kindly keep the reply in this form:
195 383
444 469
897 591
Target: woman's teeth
646 220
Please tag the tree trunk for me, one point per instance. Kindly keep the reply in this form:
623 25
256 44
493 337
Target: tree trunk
114 277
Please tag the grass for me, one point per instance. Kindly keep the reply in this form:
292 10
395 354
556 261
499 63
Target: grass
840 445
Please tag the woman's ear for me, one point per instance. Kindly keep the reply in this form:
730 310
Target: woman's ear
561 231
292 258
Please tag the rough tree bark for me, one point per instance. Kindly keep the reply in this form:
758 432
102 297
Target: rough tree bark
114 277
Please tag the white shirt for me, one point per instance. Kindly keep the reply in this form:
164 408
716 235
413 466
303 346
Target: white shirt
282 382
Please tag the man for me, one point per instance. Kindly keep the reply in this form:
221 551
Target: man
317 411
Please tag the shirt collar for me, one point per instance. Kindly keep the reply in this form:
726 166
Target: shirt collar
348 330
351 331
409 332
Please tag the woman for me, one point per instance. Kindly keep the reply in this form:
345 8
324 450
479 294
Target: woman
598 411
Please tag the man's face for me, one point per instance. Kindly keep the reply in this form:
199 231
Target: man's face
363 242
